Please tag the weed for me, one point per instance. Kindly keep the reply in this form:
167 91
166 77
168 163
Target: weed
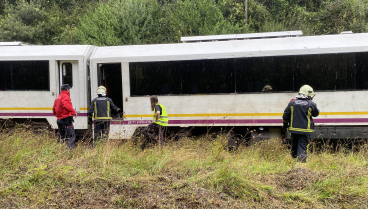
36 172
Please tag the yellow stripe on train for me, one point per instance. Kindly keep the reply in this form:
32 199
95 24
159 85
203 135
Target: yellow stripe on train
192 115
243 114
33 108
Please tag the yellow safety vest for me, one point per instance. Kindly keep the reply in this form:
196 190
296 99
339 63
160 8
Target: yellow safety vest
164 119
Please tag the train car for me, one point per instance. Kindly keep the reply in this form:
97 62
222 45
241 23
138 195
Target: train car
244 84
31 76
238 83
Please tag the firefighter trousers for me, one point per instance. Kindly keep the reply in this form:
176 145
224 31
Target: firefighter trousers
101 129
299 143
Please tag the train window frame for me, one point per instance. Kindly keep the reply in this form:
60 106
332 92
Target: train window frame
25 75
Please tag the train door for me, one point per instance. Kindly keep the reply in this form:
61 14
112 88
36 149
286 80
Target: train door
109 75
69 75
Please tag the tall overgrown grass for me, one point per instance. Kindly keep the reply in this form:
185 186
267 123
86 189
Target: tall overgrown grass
37 172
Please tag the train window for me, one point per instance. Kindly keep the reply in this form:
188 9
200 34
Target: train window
348 71
67 73
182 77
361 64
325 72
289 73
255 74
24 75
2 76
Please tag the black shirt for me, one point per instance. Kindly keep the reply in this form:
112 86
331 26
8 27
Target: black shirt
158 108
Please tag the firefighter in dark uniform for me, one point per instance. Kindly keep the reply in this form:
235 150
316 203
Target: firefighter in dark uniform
100 109
298 118
155 131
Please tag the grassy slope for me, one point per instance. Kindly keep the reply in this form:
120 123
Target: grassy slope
35 172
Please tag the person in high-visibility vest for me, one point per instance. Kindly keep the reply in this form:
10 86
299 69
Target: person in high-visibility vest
155 131
101 108
298 119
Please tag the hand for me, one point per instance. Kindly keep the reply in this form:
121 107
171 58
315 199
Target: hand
285 126
76 115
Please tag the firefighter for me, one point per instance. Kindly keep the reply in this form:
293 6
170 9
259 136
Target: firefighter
63 110
100 109
298 118
267 88
155 131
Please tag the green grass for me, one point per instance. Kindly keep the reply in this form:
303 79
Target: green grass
36 172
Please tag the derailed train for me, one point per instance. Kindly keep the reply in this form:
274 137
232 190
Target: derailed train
202 84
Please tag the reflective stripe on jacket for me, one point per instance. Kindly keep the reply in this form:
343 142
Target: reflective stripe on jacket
101 108
299 113
164 119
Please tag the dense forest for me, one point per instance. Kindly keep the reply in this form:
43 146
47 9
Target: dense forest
123 22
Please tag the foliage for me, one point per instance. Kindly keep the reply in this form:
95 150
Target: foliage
23 22
342 15
34 21
121 22
194 18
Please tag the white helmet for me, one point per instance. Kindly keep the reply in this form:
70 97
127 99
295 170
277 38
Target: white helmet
307 91
101 90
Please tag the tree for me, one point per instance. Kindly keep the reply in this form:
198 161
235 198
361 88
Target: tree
193 18
23 22
343 15
32 22
123 22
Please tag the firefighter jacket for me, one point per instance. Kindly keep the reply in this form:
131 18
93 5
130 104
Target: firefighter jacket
101 108
63 107
164 118
299 115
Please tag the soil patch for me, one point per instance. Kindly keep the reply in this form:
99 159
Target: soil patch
298 179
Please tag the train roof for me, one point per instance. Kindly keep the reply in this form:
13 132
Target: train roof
324 44
36 52
15 43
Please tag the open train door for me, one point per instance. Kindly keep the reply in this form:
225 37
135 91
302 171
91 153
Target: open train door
109 75
69 75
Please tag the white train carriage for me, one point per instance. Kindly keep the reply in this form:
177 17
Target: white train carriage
30 79
201 84
220 83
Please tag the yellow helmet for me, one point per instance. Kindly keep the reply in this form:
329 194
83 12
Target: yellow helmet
267 88
101 90
307 91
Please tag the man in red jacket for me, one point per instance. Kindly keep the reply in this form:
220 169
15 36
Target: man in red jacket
64 111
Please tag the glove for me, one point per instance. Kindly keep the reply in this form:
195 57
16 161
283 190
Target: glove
284 129
89 119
